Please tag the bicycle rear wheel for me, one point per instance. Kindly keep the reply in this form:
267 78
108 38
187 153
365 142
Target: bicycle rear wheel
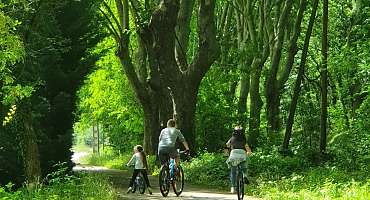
240 185
141 184
164 184
178 181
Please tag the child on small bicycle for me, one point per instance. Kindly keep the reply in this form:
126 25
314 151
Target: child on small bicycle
138 160
238 154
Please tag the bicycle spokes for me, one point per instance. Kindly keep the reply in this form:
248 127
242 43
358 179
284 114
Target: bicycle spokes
164 184
178 181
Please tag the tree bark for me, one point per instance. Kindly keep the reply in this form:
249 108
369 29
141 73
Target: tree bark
271 89
297 86
324 78
31 156
256 103
165 39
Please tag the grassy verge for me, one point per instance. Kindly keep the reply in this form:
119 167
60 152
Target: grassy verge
71 187
272 176
315 183
113 161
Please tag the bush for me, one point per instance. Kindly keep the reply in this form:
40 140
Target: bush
273 165
112 160
207 169
316 183
83 187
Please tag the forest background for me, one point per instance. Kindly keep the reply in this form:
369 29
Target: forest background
295 74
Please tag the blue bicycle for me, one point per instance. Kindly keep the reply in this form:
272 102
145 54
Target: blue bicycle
170 174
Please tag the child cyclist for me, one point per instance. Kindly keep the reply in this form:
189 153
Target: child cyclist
141 165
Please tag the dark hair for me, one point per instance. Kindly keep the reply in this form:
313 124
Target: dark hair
238 130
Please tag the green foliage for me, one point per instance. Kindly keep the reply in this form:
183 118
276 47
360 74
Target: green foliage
107 98
83 187
352 146
61 185
216 110
272 165
207 169
318 183
112 160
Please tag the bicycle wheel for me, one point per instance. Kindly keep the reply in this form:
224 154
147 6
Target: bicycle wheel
141 184
240 184
164 185
134 187
178 181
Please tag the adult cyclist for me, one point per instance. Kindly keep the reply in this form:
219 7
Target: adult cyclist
167 143
238 155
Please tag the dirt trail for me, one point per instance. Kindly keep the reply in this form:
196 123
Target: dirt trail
121 178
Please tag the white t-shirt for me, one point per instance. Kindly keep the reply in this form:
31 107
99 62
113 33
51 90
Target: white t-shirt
137 161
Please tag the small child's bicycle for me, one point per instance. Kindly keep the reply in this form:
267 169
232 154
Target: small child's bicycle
139 183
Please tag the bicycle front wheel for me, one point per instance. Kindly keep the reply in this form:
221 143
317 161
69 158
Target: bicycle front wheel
164 185
178 181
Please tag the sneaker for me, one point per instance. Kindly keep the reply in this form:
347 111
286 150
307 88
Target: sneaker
150 190
232 190
129 190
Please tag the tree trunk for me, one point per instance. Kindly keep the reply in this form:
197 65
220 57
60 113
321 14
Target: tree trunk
297 86
324 79
244 90
256 103
31 156
272 86
186 118
165 41
151 128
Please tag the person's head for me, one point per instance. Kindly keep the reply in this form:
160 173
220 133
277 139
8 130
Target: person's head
238 130
171 123
138 148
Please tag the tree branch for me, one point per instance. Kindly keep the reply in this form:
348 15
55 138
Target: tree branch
293 45
208 46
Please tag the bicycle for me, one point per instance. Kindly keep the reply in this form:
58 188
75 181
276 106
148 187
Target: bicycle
139 184
170 175
239 182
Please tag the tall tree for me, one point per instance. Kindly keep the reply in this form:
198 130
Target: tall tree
160 37
298 81
324 77
275 81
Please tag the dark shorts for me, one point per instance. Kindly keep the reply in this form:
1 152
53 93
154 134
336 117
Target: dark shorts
165 154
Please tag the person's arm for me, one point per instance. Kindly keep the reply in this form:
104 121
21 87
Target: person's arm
131 160
186 145
249 150
228 143
181 138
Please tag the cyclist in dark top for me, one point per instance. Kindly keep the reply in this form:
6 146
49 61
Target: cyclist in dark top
238 155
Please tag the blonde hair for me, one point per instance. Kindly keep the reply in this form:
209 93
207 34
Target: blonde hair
171 123
140 149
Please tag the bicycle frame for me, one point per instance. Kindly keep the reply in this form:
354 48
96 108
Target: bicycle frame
166 178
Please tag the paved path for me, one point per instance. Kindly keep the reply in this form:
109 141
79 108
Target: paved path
121 178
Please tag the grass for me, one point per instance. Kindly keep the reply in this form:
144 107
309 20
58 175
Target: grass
113 161
68 188
274 177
